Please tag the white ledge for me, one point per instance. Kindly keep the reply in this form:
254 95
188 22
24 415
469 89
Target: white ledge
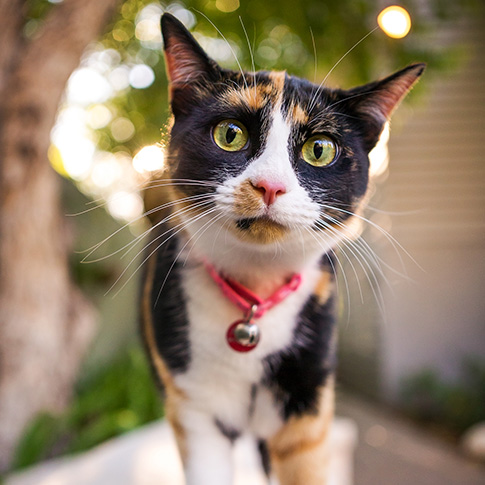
148 456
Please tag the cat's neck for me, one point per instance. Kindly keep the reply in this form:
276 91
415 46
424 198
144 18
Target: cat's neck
262 277
262 271
265 287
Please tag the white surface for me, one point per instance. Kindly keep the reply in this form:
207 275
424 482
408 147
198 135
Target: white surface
148 456
473 441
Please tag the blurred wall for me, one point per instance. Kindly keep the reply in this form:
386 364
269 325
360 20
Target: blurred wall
438 170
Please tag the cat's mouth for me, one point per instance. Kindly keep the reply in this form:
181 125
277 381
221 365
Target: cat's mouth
263 230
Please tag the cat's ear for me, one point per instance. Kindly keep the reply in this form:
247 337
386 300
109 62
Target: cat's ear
375 102
187 63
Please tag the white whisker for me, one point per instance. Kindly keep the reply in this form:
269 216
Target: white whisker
314 56
394 243
203 229
94 248
314 98
250 53
180 227
207 225
326 250
329 228
363 263
229 45
174 215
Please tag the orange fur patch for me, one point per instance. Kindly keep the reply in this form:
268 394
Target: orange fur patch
253 97
299 451
324 287
298 115
171 411
177 195
247 204
157 193
278 80
247 200
256 96
263 231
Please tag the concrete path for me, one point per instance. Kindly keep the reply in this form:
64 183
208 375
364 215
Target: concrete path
393 451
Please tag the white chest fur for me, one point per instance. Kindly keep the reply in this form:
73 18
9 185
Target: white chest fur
219 380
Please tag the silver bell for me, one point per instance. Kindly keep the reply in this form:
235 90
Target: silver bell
247 334
243 336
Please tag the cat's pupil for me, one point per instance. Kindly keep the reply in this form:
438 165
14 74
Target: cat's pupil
318 149
231 134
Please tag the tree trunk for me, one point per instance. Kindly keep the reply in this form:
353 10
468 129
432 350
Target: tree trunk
45 323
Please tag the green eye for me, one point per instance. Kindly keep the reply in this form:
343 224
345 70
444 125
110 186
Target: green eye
319 151
230 135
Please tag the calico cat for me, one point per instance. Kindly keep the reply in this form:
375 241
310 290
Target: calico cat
266 174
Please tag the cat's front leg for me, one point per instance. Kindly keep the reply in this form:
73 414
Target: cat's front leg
209 458
206 451
299 451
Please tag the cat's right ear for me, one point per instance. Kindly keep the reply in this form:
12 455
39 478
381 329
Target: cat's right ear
187 63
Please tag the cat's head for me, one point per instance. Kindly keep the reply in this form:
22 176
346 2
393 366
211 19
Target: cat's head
266 160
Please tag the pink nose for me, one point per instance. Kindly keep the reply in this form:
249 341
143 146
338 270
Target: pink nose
270 190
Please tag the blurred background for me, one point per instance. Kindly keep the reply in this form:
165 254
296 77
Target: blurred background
83 123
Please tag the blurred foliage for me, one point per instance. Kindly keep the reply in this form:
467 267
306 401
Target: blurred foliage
452 406
112 401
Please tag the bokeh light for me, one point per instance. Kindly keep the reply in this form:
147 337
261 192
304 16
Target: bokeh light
86 86
184 15
141 76
122 129
119 78
74 145
148 30
98 116
107 170
218 49
227 6
125 205
394 21
149 159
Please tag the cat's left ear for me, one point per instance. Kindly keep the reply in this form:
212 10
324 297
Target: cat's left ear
189 68
187 63
375 102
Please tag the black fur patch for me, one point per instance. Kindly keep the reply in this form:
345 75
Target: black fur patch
230 433
252 402
296 374
169 314
199 158
244 224
265 457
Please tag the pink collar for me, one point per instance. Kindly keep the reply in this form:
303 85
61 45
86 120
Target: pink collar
243 335
245 299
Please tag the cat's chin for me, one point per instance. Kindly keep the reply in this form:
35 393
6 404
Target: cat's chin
261 230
